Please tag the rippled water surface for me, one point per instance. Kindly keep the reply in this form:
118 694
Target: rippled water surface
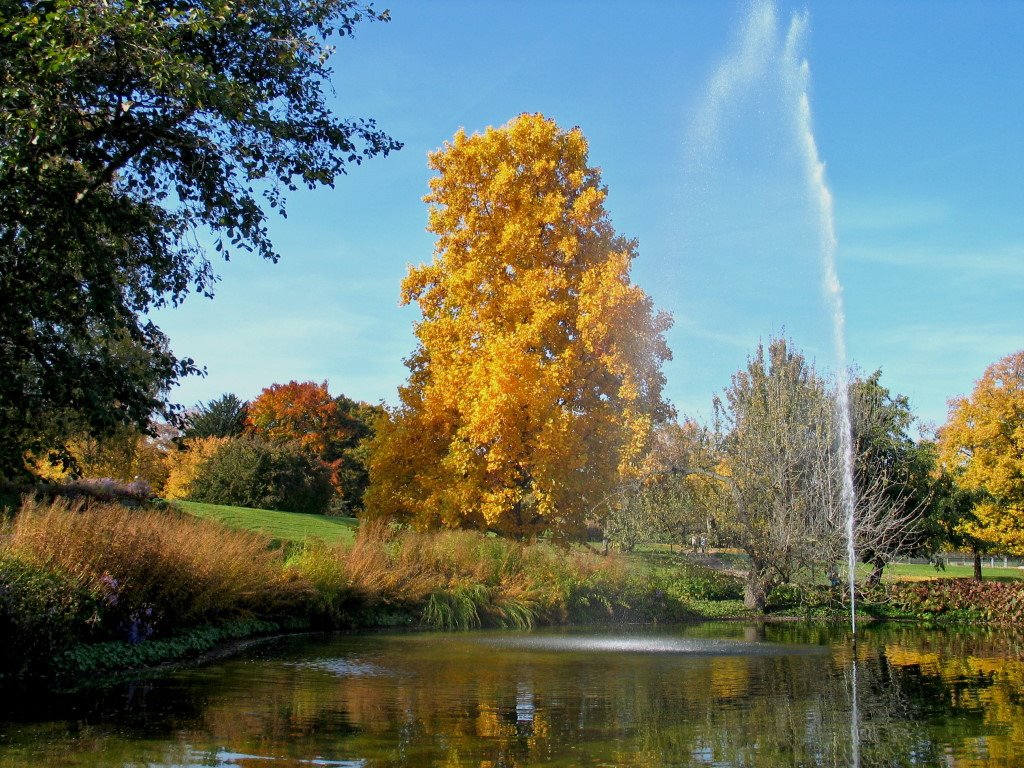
707 694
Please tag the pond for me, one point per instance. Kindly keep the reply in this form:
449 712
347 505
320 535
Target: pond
717 694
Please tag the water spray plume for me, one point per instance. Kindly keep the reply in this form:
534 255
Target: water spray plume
798 69
760 59
744 65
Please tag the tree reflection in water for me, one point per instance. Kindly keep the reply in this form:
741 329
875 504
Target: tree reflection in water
736 696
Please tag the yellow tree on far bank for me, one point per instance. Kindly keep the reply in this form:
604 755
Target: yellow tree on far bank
126 454
537 377
982 444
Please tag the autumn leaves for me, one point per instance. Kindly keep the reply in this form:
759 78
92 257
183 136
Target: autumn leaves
982 447
537 377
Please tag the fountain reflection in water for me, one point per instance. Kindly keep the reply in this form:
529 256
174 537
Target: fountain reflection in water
854 716
619 643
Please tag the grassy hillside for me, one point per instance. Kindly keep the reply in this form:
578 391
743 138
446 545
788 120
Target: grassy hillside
287 526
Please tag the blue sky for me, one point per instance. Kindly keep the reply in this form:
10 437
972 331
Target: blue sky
918 114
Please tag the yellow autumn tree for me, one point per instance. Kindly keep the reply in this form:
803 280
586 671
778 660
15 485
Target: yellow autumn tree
982 444
183 466
537 377
127 454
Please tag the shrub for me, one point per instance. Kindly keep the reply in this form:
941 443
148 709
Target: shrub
133 493
41 611
248 472
960 599
106 489
697 582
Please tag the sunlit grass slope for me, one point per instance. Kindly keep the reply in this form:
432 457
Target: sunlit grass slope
288 526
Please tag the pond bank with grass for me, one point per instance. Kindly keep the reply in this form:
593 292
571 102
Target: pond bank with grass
89 591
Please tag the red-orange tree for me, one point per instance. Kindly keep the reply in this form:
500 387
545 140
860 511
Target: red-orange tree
330 428
538 373
303 413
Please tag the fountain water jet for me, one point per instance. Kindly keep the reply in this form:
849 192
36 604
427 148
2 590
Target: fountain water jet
761 59
797 72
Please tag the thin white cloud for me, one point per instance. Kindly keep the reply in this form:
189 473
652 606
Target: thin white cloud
691 327
890 215
1006 262
989 340
931 363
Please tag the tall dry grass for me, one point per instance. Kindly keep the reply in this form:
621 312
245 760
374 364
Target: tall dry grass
149 572
460 579
178 570
379 570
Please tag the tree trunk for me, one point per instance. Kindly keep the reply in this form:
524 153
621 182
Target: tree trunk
875 578
755 592
754 596
977 564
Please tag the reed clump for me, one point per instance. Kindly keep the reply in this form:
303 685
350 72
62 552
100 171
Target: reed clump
463 580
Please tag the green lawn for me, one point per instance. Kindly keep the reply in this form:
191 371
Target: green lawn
737 561
287 526
912 572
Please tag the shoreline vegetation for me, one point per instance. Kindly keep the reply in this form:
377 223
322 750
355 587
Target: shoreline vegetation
89 591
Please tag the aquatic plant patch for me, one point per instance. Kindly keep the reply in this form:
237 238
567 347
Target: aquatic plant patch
99 659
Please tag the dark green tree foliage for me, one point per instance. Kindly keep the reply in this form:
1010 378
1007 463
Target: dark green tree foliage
223 417
125 126
352 458
880 423
891 464
248 472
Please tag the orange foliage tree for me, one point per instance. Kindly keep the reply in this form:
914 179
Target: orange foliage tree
330 428
302 413
537 377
